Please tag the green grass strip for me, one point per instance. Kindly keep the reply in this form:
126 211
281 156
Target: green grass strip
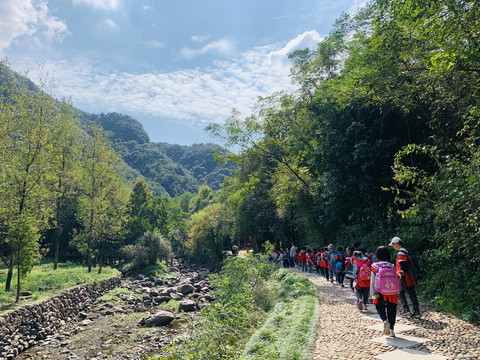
289 330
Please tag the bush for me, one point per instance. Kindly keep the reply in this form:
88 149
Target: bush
147 250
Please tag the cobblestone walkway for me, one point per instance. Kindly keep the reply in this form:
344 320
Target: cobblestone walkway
345 333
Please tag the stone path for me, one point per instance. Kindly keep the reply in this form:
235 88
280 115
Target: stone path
345 333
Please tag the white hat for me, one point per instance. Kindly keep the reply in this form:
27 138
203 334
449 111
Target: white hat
395 240
330 247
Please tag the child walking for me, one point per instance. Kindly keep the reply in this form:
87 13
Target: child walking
386 302
362 271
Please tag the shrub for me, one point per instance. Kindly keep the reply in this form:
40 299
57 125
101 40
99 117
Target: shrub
147 250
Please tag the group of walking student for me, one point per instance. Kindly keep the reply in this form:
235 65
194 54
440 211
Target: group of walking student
370 275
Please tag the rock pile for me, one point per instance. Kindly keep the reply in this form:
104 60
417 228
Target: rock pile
25 327
192 292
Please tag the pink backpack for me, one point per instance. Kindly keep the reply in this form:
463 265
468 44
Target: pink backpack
386 280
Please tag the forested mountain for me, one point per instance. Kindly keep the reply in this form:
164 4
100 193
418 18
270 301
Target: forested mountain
122 127
197 159
168 169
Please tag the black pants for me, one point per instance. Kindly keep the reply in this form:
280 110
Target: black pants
387 311
362 294
412 294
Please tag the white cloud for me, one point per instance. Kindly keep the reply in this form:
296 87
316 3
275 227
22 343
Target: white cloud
98 4
224 47
309 39
199 38
31 18
192 96
107 27
154 44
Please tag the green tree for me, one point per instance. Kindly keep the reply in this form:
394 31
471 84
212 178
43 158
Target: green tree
65 162
22 237
26 159
102 205
138 211
201 199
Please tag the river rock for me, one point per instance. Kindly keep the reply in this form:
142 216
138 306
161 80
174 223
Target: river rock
82 315
84 322
175 296
209 297
186 289
161 299
160 318
140 308
187 306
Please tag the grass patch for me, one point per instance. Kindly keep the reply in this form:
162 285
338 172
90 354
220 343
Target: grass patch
45 282
171 305
288 332
114 295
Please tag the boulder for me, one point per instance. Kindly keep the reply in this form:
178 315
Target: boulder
175 296
161 299
186 289
209 297
140 308
187 306
160 318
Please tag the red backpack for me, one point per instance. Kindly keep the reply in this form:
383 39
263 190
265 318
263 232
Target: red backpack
364 271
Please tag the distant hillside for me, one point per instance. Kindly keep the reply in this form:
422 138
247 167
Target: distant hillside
199 161
121 127
168 169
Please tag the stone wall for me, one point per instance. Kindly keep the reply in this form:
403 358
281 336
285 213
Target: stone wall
24 327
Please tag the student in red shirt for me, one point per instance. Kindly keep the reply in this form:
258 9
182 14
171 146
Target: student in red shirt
408 284
361 269
303 260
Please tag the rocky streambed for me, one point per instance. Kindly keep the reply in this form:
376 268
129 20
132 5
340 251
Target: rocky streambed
138 319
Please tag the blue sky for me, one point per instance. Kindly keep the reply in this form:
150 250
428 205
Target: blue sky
175 65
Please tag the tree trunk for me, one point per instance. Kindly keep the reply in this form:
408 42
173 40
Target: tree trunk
8 282
18 281
56 247
89 260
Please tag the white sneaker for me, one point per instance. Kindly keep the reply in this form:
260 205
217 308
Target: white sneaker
386 328
392 334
